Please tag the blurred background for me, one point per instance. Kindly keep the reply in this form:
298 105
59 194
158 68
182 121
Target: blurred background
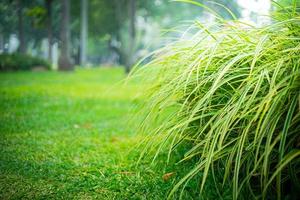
88 33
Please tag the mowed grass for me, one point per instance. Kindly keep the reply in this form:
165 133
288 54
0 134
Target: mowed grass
66 135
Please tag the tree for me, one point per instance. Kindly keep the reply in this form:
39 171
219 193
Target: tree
127 45
48 4
132 34
8 22
64 62
22 45
83 31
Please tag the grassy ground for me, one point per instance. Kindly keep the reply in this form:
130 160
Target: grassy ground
65 135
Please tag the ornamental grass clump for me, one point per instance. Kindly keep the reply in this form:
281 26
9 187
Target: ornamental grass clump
232 91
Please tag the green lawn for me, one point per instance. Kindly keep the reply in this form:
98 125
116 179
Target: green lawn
65 136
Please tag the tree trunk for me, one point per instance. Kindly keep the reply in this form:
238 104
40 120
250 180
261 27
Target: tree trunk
132 30
119 16
1 43
22 46
83 31
64 62
49 28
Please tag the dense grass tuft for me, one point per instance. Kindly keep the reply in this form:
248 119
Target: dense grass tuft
232 93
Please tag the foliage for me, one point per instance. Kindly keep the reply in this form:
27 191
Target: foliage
107 21
7 21
15 61
231 91
38 15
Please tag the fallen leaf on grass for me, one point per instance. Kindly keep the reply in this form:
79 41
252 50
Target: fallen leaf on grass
167 176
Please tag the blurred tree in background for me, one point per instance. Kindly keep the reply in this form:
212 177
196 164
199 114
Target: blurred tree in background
64 62
95 32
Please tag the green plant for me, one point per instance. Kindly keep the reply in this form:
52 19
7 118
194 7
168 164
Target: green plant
15 61
233 92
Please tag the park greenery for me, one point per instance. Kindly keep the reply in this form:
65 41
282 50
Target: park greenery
93 32
142 99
